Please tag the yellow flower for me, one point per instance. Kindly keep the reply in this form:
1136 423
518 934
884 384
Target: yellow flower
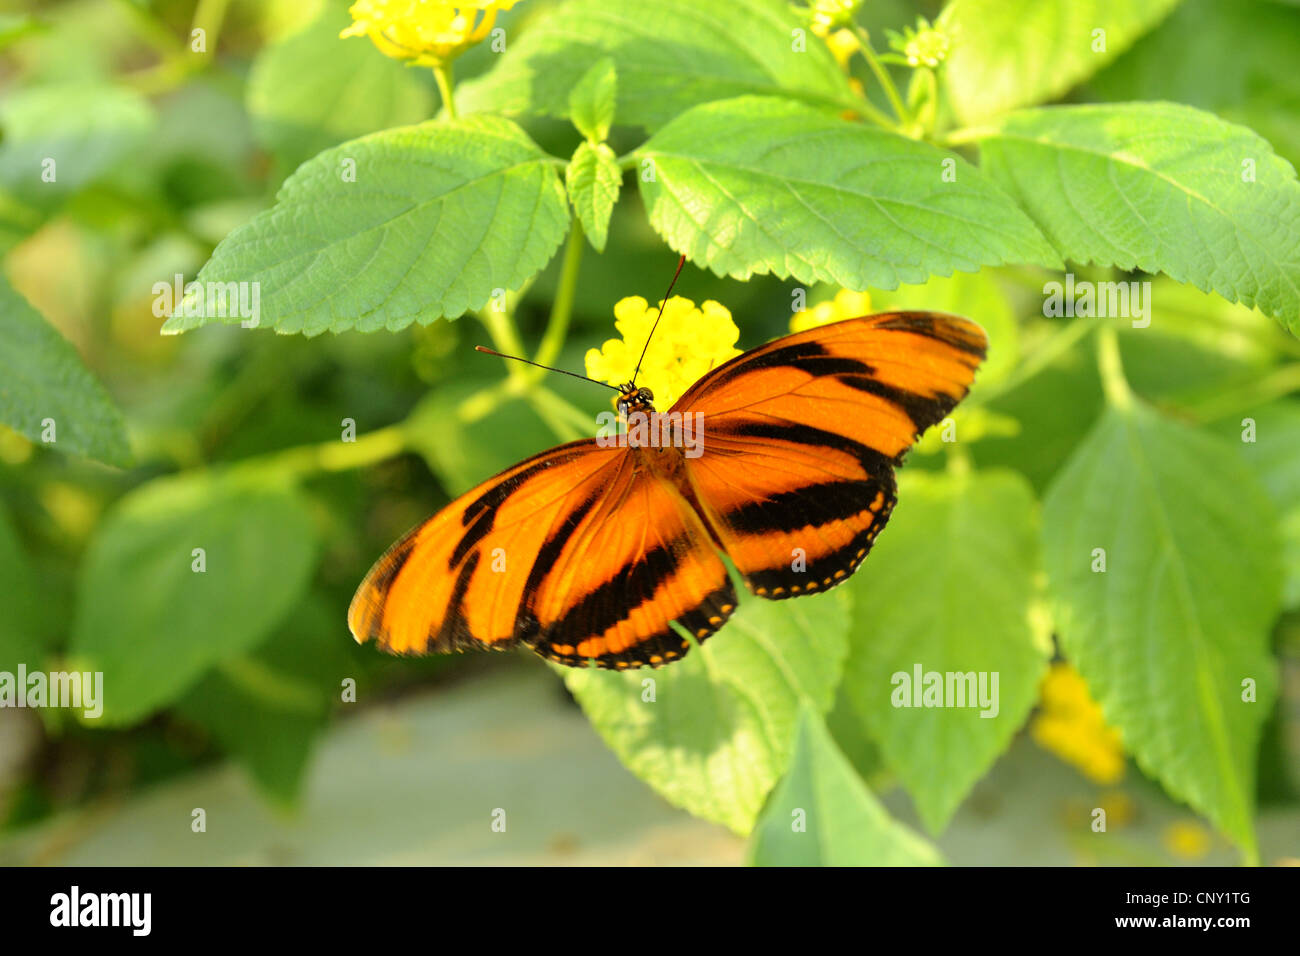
845 305
826 15
843 44
424 32
925 45
688 342
1186 839
1070 725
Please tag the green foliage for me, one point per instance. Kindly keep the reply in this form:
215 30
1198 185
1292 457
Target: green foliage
950 588
670 55
716 734
21 639
1179 619
841 822
334 254
783 176
42 379
309 91
594 180
81 129
755 185
594 99
153 615
1012 53
1162 188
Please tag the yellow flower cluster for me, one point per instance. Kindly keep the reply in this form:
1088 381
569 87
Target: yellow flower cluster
1187 839
1070 725
845 305
826 15
688 342
923 46
424 32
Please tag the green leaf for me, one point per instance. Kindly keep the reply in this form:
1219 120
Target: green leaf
949 589
1256 84
439 216
717 736
1011 53
594 180
1161 188
21 638
1180 617
42 379
150 621
670 55
312 90
841 822
73 132
593 99
755 185
1269 439
289 684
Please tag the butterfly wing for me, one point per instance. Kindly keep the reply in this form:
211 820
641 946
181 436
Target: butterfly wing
801 436
580 553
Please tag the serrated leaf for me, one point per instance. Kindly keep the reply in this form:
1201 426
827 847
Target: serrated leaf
593 99
73 132
42 378
758 185
1180 617
312 90
594 180
1256 85
717 736
439 216
670 55
843 824
1011 53
151 622
949 589
1162 188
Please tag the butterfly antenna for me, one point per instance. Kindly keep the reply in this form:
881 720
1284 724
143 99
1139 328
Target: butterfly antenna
680 262
516 358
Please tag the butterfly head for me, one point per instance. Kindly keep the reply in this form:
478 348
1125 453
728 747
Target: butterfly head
634 399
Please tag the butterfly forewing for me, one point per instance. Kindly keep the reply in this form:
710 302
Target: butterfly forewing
802 436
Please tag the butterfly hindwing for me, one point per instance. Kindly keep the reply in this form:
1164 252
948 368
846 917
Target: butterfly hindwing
802 436
580 553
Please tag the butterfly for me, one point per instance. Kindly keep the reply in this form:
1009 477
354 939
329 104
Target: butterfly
589 554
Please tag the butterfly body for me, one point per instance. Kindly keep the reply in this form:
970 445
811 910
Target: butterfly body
591 554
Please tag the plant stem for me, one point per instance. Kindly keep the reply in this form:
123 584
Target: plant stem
209 15
557 326
369 449
1113 383
444 74
1278 383
882 74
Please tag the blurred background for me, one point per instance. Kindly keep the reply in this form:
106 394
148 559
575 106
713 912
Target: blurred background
175 151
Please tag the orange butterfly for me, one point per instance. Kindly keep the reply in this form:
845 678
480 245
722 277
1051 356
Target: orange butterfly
605 547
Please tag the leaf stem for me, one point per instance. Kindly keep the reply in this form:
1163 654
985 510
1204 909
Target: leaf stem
1113 383
557 326
444 73
882 75
1061 342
